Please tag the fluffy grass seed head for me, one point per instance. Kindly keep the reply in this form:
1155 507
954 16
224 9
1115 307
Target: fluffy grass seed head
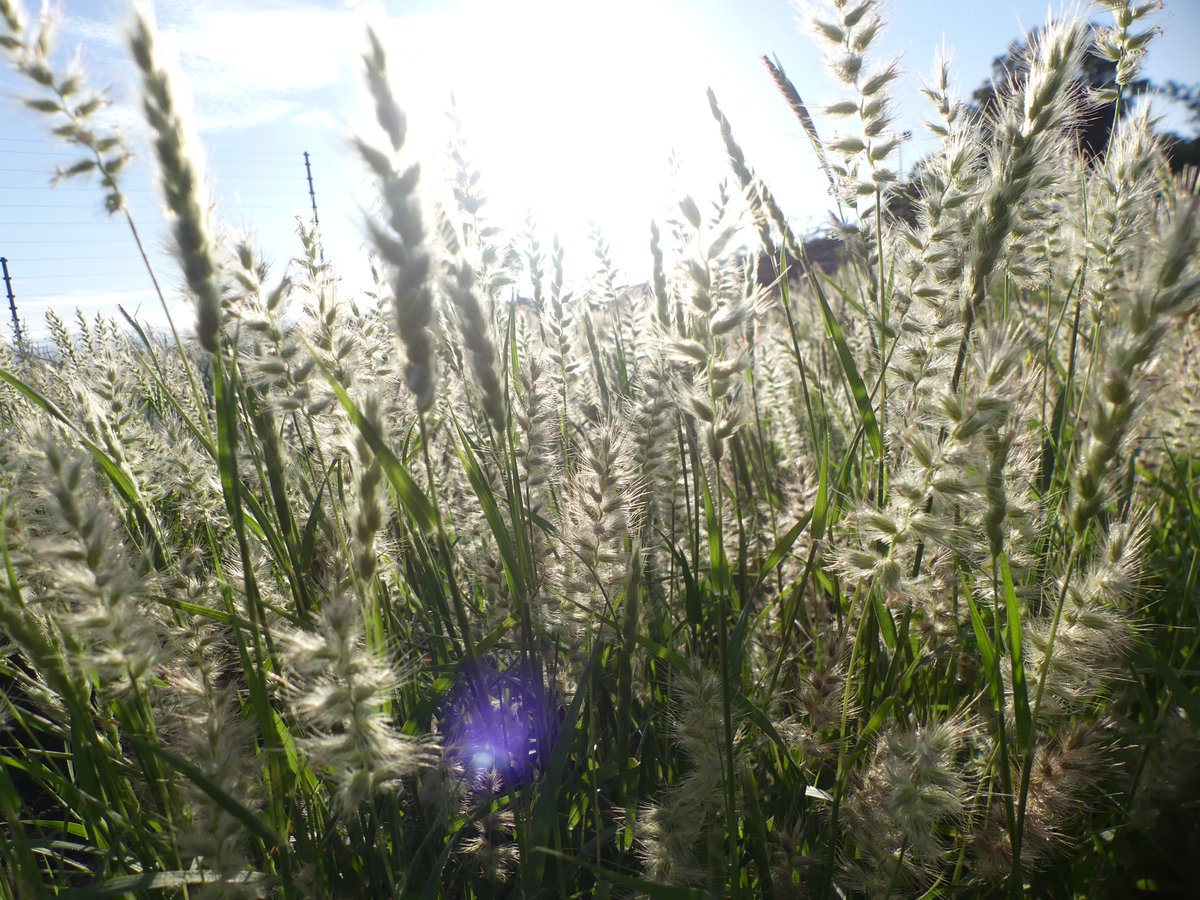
14 17
848 31
206 727
460 286
371 511
66 97
913 784
490 849
1165 290
1122 44
400 239
1039 101
113 632
340 689
181 182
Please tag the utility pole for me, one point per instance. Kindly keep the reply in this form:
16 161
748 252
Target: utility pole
12 302
312 195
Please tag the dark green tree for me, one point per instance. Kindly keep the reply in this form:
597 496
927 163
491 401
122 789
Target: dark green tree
1103 100
1097 84
1183 150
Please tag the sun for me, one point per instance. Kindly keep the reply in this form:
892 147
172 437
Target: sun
573 111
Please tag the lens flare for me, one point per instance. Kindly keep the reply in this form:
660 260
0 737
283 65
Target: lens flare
500 720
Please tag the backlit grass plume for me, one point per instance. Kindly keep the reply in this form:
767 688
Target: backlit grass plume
400 239
868 570
182 184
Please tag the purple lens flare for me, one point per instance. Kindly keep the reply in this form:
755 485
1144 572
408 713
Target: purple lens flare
500 720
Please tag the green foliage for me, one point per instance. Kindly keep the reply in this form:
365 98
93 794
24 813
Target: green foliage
883 581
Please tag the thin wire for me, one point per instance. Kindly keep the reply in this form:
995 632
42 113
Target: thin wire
53 224
26 277
136 190
25 259
224 174
210 153
78 298
99 206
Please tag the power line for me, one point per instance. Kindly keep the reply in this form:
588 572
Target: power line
223 173
32 153
91 295
59 189
209 153
133 190
55 224
100 207
84 275
61 258
71 206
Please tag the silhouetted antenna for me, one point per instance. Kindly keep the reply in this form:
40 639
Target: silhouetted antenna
312 195
12 303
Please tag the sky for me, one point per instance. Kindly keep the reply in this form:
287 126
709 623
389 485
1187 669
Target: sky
581 114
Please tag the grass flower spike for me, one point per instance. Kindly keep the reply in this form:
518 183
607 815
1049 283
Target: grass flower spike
857 563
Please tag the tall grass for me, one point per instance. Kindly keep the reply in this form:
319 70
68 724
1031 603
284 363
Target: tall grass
878 582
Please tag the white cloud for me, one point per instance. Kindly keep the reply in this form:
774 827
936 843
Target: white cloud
571 109
141 303
242 66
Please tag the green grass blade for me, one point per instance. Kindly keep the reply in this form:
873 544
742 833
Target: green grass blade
254 824
124 486
648 888
1021 708
167 881
1186 698
491 509
415 502
858 388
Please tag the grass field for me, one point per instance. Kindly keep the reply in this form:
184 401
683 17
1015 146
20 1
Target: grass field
879 581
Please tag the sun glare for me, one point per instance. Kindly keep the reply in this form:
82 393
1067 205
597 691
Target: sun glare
573 110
